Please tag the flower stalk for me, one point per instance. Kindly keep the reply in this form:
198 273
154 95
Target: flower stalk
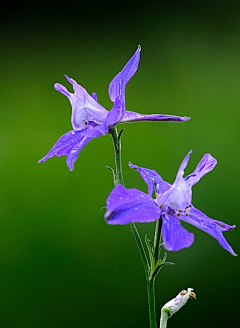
117 151
150 269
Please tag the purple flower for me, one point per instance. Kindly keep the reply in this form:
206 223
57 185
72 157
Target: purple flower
90 119
172 204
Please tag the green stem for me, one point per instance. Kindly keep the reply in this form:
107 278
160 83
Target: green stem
157 237
151 303
117 151
150 283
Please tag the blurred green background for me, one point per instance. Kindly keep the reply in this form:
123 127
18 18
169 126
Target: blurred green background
61 265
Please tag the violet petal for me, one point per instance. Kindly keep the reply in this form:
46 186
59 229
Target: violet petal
130 205
179 194
152 178
212 227
206 165
175 237
136 117
118 84
70 144
223 226
113 117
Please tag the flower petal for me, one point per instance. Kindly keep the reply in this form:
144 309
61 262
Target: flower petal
84 107
222 226
175 237
206 165
113 117
179 195
210 226
115 114
118 84
130 205
152 178
60 88
136 117
70 144
182 167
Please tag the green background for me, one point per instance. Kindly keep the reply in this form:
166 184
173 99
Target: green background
61 265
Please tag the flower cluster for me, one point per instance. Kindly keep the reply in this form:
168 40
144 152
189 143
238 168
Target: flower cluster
90 119
172 204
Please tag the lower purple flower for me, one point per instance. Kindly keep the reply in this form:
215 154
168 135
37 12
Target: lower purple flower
172 204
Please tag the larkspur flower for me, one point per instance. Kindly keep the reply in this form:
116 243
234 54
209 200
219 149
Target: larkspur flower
172 204
90 119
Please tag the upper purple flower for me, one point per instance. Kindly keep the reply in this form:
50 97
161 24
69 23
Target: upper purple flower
172 204
90 119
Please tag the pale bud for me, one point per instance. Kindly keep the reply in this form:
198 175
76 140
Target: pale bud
174 305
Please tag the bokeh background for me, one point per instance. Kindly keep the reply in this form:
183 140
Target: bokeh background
61 265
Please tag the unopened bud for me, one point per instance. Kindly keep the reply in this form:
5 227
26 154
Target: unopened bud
174 305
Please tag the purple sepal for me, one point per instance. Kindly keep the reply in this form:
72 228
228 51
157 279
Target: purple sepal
152 178
206 165
182 166
136 117
113 117
210 226
70 144
118 84
130 205
175 237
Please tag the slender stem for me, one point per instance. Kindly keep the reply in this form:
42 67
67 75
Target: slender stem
151 303
117 151
119 180
150 283
157 238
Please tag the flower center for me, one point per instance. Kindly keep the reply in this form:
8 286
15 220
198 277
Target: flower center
184 212
175 212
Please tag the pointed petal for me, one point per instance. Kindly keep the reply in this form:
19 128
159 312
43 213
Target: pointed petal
70 144
223 226
130 205
182 167
210 226
178 196
206 165
118 84
136 117
175 237
152 178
